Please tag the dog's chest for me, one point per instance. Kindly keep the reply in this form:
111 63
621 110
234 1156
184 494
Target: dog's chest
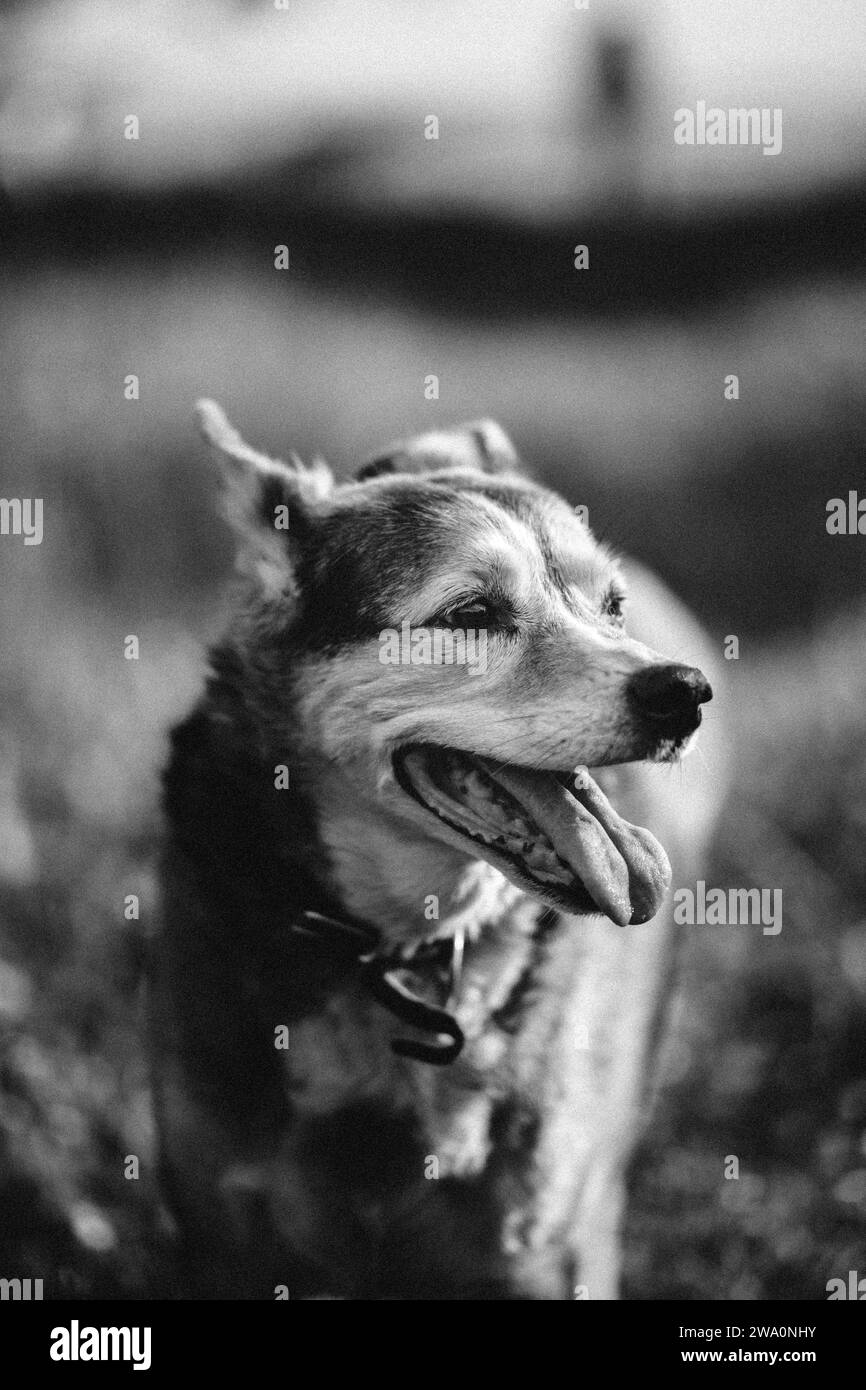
342 1077
485 1157
488 1162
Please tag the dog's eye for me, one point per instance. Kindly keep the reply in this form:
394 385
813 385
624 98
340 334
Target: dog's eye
476 614
613 607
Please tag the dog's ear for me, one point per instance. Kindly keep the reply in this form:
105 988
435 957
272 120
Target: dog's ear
482 445
270 505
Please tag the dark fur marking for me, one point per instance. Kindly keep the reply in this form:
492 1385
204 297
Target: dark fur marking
350 591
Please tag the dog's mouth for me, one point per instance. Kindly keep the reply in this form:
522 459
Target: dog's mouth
563 842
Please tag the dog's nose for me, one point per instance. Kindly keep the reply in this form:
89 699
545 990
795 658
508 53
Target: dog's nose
669 692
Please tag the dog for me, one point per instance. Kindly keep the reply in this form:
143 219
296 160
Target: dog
407 988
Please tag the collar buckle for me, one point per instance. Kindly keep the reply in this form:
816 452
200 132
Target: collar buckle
353 942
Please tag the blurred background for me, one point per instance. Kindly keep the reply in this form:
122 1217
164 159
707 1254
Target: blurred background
310 126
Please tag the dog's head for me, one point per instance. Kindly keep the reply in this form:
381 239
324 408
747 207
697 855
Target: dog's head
444 642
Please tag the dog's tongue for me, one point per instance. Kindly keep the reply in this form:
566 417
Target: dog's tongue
623 867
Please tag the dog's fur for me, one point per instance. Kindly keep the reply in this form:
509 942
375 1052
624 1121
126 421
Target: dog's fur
335 1168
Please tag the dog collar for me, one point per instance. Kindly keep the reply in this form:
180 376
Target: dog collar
357 943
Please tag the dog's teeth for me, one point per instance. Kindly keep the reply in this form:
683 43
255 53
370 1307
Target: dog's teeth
562 879
508 831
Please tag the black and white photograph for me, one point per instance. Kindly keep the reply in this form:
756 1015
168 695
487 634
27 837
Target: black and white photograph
433 663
